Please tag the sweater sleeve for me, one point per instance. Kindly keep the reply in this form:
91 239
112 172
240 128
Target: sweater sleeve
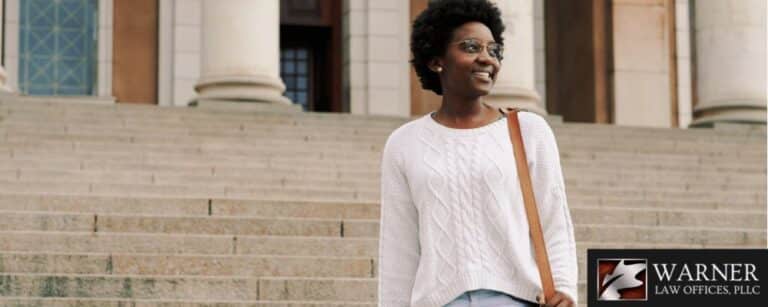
549 190
399 249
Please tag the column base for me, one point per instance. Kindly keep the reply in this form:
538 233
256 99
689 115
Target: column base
246 106
241 88
707 117
516 97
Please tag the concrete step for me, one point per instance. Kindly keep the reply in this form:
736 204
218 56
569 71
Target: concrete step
297 217
331 209
323 169
585 176
188 135
318 172
122 172
267 177
101 205
207 129
321 163
118 113
80 242
667 194
310 208
192 115
84 242
743 185
61 110
323 131
257 150
189 287
307 148
13 132
337 149
581 214
210 225
23 135
188 207
260 153
243 148
300 148
69 161
332 142
671 234
208 143
342 123
44 221
671 166
660 159
186 191
117 302
289 227
610 130
128 172
575 129
634 145
187 264
669 217
596 155
575 200
594 195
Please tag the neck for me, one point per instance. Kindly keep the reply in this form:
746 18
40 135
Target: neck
459 108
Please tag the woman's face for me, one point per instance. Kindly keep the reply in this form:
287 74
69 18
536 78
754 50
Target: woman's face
469 71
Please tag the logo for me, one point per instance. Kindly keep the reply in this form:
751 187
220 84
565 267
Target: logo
622 279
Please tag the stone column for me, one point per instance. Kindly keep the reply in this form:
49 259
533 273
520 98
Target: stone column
516 84
730 61
240 52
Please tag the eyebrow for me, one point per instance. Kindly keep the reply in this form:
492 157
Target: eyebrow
474 38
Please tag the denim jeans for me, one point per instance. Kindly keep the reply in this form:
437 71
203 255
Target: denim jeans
488 298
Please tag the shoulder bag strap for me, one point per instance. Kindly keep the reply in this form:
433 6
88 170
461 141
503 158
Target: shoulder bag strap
542 260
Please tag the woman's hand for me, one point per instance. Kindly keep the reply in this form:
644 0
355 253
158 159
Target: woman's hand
560 299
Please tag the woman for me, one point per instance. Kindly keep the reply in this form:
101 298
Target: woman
453 226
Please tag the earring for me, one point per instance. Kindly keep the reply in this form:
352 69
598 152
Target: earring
439 69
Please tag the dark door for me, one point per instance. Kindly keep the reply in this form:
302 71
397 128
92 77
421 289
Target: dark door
579 60
310 53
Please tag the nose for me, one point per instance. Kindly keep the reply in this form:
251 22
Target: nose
485 57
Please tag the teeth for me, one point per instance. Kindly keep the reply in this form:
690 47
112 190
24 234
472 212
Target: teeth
484 74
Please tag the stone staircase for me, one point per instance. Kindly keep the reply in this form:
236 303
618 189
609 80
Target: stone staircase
124 205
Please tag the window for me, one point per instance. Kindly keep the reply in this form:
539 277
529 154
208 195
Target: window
57 47
295 70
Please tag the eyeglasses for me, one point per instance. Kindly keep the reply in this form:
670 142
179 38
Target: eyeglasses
473 46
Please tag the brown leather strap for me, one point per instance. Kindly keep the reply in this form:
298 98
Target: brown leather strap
542 260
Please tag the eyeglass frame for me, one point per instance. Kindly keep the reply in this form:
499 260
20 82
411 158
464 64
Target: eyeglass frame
483 47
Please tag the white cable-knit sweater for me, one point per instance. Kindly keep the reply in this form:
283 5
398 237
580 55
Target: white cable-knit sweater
453 218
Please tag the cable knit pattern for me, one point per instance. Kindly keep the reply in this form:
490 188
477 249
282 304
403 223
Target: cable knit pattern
453 218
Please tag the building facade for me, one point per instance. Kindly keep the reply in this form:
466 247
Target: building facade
658 63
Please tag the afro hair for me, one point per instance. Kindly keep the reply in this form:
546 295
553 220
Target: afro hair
433 30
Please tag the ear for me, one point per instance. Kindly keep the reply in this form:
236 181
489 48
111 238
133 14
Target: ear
435 63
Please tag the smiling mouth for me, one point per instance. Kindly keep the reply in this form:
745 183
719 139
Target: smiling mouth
484 75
